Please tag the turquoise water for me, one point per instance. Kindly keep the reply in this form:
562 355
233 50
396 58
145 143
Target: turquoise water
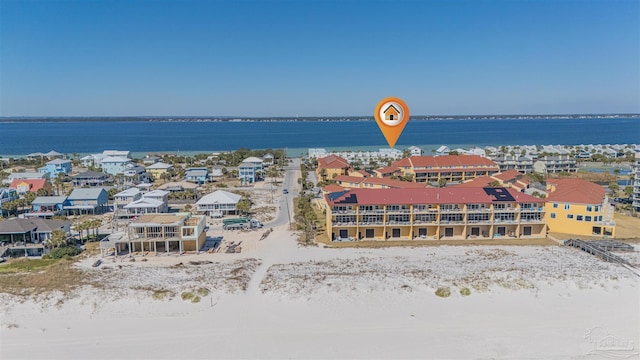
18 138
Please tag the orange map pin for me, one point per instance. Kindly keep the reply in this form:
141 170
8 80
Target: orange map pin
391 115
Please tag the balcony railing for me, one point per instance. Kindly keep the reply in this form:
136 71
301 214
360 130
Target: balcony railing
370 223
398 211
455 210
376 211
343 224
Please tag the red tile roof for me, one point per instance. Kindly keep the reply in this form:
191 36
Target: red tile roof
575 191
394 184
450 195
332 188
348 179
387 170
509 175
447 160
332 162
482 181
34 184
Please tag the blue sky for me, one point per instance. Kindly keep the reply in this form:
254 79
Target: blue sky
317 58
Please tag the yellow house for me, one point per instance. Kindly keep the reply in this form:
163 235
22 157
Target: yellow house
578 207
453 168
158 169
331 166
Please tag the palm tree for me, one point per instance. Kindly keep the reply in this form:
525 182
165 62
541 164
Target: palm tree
58 238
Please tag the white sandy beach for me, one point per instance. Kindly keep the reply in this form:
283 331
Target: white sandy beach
525 302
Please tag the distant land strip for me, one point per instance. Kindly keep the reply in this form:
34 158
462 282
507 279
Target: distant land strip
299 119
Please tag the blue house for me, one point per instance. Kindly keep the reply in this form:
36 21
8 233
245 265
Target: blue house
113 165
55 167
197 175
87 201
45 206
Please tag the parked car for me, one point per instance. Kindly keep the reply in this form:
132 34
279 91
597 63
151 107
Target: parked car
285 191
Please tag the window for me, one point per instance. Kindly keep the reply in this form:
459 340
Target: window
579 217
569 216
553 215
567 206
597 208
555 205
589 207
587 218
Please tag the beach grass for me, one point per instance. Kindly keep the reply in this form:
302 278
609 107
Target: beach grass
25 265
627 227
34 277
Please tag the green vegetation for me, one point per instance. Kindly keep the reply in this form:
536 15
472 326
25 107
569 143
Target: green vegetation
465 291
443 292
62 252
163 294
305 218
202 291
189 296
26 265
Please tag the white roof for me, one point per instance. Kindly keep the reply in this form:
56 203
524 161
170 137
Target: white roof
58 161
219 197
121 153
253 159
160 165
144 203
115 159
157 193
129 192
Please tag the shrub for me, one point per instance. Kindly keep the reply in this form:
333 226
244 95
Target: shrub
465 291
196 299
162 294
63 252
202 291
443 292
187 296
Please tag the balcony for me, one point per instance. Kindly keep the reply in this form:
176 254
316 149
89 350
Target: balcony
370 223
531 221
344 212
451 222
454 210
343 224
399 211
507 210
375 211
403 223
479 210
500 221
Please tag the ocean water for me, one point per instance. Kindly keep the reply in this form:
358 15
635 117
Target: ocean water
19 138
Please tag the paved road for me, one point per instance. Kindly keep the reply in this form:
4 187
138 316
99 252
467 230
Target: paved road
285 204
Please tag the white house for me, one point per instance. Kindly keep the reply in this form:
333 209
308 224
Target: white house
415 151
218 203
121 199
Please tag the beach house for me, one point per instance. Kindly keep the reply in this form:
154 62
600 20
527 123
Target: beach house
218 203
47 206
249 172
123 198
157 170
523 164
26 237
433 214
87 201
578 207
197 175
55 167
90 178
114 165
30 185
6 195
24 176
178 232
